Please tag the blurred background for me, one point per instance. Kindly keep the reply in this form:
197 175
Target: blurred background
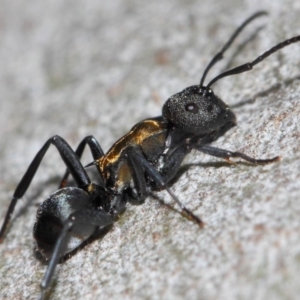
76 68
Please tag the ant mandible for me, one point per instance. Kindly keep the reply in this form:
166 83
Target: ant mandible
144 159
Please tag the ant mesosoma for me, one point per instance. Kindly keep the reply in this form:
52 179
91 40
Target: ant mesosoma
145 159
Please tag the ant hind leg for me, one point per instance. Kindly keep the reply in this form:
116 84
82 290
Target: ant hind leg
91 217
70 159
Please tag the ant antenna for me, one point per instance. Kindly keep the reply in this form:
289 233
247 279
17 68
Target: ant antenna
220 54
249 66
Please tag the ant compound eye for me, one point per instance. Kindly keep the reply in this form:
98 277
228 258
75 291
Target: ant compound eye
192 107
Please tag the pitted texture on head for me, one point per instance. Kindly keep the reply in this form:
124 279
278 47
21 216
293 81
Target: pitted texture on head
196 111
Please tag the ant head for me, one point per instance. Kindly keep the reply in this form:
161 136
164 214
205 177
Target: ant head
198 110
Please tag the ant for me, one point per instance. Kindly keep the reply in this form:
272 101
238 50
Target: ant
144 159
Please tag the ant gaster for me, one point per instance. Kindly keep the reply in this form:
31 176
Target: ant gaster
145 159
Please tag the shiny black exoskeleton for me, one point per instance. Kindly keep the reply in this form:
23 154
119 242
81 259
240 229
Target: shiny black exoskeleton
146 158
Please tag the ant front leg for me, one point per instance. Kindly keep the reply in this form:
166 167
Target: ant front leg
96 151
70 159
138 162
226 154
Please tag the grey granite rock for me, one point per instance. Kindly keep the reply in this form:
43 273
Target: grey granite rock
76 68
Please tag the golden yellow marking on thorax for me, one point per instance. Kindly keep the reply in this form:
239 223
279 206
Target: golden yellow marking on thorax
135 136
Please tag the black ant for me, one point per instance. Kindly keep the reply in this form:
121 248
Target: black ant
145 159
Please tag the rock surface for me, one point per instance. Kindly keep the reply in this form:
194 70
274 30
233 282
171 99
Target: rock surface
76 68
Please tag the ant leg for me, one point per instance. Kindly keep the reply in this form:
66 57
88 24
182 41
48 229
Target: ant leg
70 159
137 172
225 154
96 150
138 158
88 216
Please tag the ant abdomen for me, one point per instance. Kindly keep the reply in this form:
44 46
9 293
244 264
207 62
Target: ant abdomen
53 213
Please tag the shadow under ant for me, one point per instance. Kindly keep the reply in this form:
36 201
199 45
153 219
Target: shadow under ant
97 235
212 164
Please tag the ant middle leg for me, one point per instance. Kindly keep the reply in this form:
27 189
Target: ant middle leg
226 154
138 160
96 151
